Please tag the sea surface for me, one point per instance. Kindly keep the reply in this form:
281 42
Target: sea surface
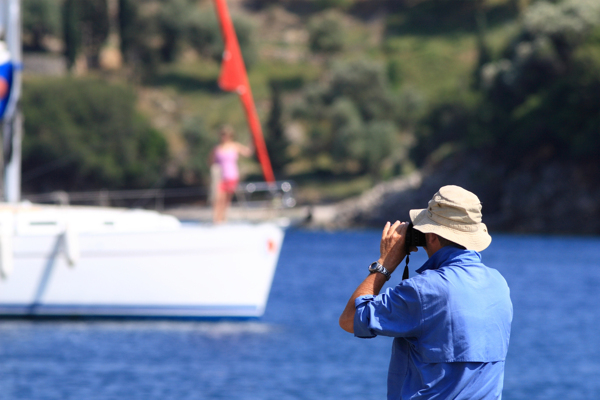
297 350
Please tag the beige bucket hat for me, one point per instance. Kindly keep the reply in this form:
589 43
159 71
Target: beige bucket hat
454 214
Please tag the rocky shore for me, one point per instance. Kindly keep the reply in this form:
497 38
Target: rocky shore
542 197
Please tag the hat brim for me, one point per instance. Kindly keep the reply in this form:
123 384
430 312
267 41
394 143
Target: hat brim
477 240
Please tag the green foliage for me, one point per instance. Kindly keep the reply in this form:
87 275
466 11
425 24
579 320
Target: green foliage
128 17
381 141
351 118
446 125
276 141
566 23
410 105
139 31
40 18
326 33
365 84
173 20
183 22
542 98
86 134
204 34
150 36
71 31
94 28
339 4
200 141
85 29
348 127
546 89
435 17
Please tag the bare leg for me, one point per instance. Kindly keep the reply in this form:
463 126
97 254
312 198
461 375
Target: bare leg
226 204
219 206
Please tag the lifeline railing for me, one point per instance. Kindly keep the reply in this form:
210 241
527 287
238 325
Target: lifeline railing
279 194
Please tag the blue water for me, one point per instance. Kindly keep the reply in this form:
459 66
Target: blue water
297 350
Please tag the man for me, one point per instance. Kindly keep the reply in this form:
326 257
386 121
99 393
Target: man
451 322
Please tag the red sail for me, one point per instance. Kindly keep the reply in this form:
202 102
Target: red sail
234 78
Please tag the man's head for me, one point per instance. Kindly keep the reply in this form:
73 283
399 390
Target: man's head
453 214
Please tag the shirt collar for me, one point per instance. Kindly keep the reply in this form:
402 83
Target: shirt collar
447 254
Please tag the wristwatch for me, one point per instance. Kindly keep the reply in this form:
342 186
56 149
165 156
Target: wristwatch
376 267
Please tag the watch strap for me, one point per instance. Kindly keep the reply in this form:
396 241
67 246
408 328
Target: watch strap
377 267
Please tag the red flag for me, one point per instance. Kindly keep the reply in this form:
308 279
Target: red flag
234 78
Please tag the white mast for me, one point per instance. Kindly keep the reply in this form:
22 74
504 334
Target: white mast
10 18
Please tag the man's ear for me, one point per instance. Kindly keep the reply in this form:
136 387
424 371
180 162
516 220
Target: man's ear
431 238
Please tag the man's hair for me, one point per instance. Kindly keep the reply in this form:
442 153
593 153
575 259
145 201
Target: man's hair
445 243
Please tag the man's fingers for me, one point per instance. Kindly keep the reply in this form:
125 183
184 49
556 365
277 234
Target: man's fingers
394 228
385 230
402 228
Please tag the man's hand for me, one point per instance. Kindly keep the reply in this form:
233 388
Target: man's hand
392 245
392 252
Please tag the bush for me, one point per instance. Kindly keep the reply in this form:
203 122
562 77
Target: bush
153 35
200 143
326 33
542 97
446 125
204 34
351 118
88 137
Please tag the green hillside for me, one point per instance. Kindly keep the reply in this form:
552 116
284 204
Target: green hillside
365 91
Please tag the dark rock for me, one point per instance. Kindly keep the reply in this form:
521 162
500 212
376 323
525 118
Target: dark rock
552 197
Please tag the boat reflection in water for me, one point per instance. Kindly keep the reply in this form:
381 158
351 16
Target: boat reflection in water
66 261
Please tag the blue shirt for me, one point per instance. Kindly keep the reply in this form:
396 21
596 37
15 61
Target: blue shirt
451 327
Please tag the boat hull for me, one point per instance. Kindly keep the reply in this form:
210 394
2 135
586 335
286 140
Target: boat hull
180 272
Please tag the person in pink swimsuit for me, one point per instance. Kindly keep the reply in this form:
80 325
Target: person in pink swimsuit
225 156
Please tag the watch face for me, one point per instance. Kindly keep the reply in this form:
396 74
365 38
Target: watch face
373 267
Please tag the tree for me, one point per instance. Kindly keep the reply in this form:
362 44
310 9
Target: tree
40 18
277 142
94 20
326 33
138 32
89 137
71 31
200 142
173 21
541 99
365 84
128 26
204 34
86 28
351 118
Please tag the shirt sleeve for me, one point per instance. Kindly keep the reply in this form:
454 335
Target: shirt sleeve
395 313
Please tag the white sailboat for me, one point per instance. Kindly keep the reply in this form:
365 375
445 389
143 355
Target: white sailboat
90 261
65 261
